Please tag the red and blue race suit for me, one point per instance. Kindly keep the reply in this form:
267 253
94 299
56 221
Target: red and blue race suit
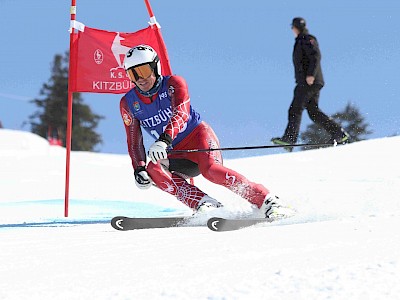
169 111
157 116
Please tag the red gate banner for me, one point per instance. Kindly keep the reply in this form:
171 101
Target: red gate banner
97 58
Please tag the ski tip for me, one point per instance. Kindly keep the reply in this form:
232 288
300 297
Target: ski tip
214 223
117 222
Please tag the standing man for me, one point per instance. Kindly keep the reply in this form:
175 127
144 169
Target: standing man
309 82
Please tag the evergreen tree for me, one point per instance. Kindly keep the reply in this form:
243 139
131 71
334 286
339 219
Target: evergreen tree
52 111
350 120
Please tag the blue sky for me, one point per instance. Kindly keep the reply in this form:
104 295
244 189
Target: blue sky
235 56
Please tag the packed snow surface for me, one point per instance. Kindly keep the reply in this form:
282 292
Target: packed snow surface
344 243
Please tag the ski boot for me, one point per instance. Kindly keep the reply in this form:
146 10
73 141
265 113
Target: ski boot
282 142
274 208
207 204
342 137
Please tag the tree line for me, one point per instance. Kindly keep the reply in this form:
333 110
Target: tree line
51 115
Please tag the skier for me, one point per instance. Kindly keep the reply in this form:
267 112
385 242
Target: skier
161 106
309 82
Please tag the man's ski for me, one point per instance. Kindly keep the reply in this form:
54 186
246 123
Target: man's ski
126 223
221 224
215 224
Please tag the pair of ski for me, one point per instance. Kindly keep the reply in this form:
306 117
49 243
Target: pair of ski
215 223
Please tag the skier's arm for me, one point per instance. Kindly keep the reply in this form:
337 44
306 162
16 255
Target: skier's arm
180 105
134 136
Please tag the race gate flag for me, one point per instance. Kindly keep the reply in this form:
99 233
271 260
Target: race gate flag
97 58
96 65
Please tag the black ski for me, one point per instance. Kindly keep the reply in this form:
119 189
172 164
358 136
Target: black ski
126 223
221 224
215 224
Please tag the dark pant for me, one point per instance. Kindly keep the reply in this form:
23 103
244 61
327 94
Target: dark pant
306 97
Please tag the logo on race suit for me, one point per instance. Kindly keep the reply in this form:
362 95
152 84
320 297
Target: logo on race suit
171 90
136 106
162 95
126 117
98 56
230 177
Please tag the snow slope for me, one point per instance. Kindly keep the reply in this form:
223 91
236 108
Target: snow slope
343 244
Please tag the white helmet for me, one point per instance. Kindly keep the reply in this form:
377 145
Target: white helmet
140 55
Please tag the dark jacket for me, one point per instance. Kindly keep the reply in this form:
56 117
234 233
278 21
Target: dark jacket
307 59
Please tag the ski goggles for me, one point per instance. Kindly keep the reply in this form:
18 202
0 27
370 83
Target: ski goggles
142 71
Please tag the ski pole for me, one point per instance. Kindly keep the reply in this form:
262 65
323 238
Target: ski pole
252 147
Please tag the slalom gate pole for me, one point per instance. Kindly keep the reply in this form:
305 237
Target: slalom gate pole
69 115
149 9
252 147
163 49
163 53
